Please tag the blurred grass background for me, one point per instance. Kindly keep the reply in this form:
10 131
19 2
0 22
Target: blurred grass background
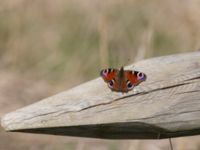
49 46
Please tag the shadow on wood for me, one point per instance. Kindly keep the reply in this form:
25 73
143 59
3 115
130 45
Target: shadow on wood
166 105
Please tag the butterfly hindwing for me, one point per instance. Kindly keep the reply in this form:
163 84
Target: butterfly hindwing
114 85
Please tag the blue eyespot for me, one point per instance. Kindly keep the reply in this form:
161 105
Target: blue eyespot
129 85
103 72
141 76
111 83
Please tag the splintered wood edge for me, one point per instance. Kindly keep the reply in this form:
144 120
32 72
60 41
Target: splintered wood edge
166 105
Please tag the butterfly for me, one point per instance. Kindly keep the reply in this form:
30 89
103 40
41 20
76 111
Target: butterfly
122 80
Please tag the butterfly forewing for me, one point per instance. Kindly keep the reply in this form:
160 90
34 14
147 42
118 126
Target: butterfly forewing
109 74
131 76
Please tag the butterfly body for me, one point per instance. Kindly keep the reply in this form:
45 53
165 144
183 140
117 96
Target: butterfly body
122 80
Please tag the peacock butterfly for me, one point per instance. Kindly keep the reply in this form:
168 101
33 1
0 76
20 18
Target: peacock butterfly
122 80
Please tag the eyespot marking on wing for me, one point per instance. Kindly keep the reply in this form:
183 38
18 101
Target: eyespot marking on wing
111 83
141 76
122 80
129 85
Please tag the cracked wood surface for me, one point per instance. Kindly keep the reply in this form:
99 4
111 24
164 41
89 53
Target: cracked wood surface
166 105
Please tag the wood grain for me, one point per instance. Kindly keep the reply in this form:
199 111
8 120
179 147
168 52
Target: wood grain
166 105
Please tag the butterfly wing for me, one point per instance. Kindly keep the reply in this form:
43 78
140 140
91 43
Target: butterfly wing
133 78
110 76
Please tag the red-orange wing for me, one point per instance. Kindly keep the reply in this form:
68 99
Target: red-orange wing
129 80
133 78
109 74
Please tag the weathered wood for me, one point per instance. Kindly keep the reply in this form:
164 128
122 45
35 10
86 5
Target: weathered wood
166 105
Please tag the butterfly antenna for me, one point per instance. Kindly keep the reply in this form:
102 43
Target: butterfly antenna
170 142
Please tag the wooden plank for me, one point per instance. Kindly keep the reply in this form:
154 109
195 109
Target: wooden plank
166 105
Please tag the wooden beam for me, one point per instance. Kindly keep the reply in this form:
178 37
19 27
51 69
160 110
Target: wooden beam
166 105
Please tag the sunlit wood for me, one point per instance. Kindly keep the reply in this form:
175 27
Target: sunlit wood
166 105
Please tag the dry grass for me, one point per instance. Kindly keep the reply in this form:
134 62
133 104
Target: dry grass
48 46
